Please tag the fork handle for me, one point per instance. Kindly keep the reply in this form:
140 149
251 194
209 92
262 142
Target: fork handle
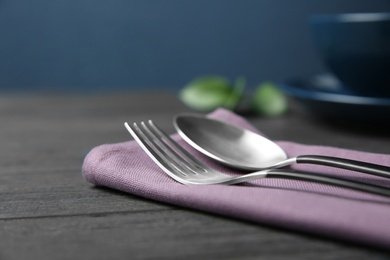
306 176
370 168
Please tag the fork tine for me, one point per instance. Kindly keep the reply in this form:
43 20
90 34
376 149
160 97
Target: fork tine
162 154
147 146
172 150
184 154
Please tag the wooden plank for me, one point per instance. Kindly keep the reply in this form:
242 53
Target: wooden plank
32 194
166 234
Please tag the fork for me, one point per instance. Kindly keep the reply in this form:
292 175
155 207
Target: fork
185 168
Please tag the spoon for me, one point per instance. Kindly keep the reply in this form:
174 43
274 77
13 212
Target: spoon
243 149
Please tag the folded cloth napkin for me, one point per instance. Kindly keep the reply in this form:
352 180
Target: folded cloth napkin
314 208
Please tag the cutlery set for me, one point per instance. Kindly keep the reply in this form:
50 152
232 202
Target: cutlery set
238 148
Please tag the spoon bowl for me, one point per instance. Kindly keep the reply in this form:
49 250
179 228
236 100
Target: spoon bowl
243 149
230 145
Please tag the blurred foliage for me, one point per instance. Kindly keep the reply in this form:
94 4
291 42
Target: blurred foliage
209 92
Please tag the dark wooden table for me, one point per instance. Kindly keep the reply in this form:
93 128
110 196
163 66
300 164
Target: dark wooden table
47 210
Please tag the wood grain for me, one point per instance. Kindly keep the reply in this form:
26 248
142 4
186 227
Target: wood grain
47 210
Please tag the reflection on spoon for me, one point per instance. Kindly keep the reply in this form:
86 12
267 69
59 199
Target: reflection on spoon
243 149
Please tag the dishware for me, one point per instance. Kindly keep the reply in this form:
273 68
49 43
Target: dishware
325 97
356 48
243 149
187 169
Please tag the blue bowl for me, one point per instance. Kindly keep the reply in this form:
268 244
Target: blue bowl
356 48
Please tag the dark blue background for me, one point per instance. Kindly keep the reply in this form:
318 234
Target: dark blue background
114 44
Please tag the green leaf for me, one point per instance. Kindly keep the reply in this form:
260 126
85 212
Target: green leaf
268 100
206 93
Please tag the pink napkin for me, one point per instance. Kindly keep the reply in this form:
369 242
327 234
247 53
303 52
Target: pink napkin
308 207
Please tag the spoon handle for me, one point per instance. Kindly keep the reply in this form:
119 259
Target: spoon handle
370 168
307 176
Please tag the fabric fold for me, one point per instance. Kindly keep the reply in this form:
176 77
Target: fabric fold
308 207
